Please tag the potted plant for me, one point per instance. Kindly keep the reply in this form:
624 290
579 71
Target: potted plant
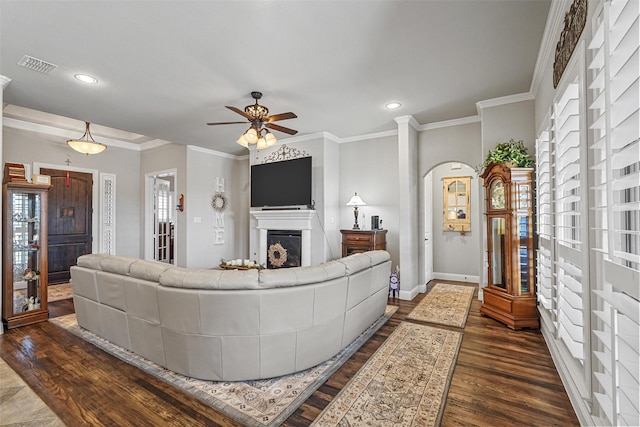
513 153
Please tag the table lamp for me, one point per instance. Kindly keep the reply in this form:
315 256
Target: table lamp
355 202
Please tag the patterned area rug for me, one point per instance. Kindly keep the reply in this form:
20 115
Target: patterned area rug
253 403
405 383
59 292
445 305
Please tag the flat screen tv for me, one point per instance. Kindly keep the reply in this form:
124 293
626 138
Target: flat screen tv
279 184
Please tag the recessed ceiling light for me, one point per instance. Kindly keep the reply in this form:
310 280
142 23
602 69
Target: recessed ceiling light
86 78
393 106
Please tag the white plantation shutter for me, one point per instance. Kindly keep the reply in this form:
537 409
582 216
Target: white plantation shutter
569 161
615 169
546 292
107 213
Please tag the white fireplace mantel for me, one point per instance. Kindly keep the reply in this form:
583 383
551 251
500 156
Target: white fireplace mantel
285 220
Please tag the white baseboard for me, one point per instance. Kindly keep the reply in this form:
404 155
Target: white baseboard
457 277
411 293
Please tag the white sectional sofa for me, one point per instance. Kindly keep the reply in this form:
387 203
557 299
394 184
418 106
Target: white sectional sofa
230 325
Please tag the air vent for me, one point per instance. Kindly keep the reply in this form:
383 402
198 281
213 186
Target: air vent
36 64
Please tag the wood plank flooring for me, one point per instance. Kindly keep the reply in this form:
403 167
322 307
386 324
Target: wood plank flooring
502 377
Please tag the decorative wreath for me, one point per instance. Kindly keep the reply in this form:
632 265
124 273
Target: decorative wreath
219 202
277 255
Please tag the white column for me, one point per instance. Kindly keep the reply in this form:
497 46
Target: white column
408 233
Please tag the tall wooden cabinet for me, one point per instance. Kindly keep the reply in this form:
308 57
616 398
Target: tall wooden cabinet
24 253
510 295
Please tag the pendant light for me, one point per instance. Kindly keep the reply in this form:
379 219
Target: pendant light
86 144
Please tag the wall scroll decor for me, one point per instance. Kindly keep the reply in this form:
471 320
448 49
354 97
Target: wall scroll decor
219 203
574 21
285 153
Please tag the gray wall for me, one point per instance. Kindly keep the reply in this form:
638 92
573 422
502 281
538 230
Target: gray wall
370 168
23 146
462 144
201 247
455 254
171 156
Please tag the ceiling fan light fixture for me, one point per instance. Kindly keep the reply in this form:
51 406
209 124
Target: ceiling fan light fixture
243 141
262 144
251 135
270 138
86 144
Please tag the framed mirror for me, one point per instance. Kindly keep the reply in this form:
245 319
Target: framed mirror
457 198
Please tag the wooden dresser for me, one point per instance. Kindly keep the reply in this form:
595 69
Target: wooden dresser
354 241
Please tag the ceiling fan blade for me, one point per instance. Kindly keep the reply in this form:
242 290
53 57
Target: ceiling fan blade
239 111
281 116
280 128
226 123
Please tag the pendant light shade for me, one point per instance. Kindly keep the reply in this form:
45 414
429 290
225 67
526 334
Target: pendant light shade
86 144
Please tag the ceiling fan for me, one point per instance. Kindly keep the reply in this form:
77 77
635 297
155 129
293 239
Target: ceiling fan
260 120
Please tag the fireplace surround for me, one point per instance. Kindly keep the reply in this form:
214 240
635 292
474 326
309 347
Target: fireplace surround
284 220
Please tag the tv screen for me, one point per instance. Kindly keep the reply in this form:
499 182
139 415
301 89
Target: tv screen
286 183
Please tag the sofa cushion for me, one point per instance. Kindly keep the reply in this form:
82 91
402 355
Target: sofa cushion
91 261
117 264
356 262
148 270
190 278
378 257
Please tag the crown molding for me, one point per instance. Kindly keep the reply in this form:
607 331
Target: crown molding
216 153
553 27
408 119
376 135
503 100
64 133
448 123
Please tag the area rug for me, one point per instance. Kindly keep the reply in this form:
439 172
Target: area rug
405 382
445 305
59 292
253 403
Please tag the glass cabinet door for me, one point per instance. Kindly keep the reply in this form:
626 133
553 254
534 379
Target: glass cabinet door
524 256
25 221
497 228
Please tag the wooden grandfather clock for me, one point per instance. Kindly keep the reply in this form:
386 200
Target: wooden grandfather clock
510 295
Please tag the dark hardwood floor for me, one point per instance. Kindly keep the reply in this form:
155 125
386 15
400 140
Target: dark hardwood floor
502 378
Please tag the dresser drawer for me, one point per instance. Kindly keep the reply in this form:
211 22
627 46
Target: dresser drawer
360 239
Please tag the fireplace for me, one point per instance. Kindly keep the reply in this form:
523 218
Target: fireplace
283 248
288 221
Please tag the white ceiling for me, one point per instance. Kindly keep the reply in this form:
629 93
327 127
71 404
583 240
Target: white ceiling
168 67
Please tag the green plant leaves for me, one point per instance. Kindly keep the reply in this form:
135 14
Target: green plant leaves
513 152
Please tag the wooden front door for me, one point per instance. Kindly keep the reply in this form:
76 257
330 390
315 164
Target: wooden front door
70 212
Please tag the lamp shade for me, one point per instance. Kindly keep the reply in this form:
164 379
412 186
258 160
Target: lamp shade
262 144
86 144
270 138
251 136
243 141
356 201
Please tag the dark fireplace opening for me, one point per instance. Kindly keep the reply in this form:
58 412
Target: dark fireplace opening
283 248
